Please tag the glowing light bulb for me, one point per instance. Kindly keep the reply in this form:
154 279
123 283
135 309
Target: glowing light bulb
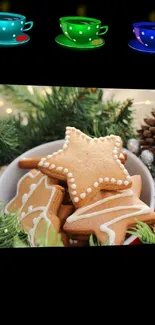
147 102
1 103
30 89
9 111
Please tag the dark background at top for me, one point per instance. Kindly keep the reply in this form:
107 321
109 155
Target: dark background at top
42 61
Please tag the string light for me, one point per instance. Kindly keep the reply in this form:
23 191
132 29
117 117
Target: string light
1 103
147 102
30 89
9 111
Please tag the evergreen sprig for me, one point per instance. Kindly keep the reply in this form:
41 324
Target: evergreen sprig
11 232
145 234
47 117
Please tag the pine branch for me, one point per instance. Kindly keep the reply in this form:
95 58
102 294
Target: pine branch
9 141
79 107
143 232
21 97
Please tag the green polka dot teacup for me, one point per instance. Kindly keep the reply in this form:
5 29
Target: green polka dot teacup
81 29
12 25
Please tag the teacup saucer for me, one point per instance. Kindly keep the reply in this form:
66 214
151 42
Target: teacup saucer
135 45
16 41
64 41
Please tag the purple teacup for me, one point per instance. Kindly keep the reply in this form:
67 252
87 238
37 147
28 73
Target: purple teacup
145 33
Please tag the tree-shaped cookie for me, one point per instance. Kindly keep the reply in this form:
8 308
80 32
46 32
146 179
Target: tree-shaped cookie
38 200
88 165
111 214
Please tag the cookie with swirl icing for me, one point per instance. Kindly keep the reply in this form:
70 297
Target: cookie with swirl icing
87 165
38 200
111 214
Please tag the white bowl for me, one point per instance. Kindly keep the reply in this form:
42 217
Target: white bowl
12 174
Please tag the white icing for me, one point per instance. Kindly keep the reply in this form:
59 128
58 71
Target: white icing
65 170
126 183
74 193
59 168
82 195
65 146
116 156
76 199
72 180
43 159
52 166
32 187
89 190
41 163
46 164
23 214
73 186
106 179
49 156
78 214
128 178
121 156
119 182
100 180
113 180
125 172
96 184
69 174
60 150
110 233
118 161
30 208
54 153
24 198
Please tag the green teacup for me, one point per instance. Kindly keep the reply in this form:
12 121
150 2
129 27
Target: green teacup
81 30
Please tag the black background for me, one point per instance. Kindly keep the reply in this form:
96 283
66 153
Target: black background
42 61
115 65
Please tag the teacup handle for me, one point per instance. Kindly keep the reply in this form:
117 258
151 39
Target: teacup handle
31 25
106 29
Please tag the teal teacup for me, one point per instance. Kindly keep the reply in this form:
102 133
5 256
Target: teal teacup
12 25
81 30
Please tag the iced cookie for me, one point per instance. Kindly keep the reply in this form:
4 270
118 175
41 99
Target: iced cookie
30 163
38 200
111 214
88 165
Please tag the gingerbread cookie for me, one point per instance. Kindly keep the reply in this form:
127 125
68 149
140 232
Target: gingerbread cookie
88 165
30 163
111 214
38 200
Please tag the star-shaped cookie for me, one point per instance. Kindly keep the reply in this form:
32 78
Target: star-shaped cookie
88 165
111 214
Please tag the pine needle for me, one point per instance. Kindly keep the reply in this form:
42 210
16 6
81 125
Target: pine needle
48 115
143 232
93 241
